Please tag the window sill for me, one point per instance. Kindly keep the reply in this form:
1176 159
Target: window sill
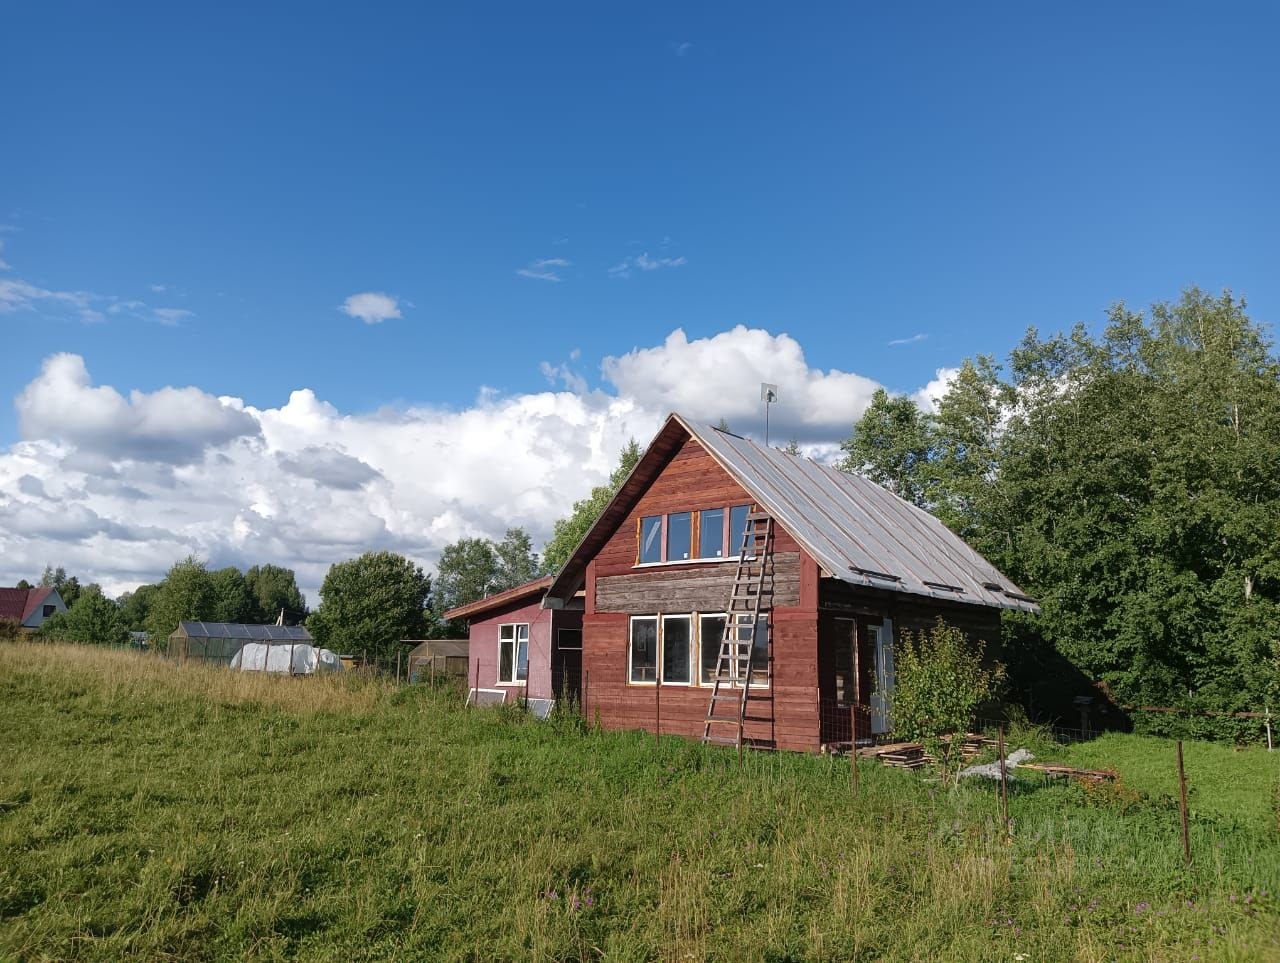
718 560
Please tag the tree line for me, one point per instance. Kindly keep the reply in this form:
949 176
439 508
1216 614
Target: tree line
1129 482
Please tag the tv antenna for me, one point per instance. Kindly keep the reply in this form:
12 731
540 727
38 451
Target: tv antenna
769 395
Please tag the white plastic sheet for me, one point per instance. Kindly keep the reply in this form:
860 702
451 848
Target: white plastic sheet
295 658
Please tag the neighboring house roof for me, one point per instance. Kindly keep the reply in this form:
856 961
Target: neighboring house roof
857 531
21 603
252 633
13 603
36 598
535 588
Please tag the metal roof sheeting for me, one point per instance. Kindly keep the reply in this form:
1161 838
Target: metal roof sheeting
248 633
857 531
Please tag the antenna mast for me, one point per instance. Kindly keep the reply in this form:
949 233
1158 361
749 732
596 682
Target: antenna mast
768 394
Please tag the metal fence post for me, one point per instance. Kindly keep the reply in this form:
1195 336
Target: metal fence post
1182 806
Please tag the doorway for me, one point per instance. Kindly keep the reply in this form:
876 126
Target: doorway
566 665
847 647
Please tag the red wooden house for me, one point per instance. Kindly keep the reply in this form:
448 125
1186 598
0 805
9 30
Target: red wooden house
847 568
520 649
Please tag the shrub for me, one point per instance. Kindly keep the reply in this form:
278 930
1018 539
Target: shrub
940 683
9 630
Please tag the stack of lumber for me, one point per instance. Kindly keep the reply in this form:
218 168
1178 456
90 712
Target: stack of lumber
904 755
1070 772
971 744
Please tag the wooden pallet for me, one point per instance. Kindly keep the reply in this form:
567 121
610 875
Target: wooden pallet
1070 772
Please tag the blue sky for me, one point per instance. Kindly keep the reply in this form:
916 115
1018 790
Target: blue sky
848 174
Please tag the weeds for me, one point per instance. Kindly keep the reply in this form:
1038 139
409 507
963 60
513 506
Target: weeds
155 811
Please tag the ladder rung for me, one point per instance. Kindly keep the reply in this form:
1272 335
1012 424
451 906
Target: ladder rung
721 740
759 517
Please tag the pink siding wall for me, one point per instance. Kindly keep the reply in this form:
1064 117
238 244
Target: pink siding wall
483 667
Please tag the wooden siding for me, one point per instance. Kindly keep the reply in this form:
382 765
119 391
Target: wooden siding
702 589
691 481
784 713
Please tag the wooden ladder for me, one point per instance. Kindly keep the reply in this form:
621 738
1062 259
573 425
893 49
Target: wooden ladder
728 708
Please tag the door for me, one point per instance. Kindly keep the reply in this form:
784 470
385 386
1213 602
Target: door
846 647
566 665
881 644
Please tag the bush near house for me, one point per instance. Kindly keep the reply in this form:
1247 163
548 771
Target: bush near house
940 683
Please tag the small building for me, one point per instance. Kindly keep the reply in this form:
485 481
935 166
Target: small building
844 568
436 657
220 641
30 607
519 648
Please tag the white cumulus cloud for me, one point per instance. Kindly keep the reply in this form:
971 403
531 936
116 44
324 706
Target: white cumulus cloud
117 485
372 307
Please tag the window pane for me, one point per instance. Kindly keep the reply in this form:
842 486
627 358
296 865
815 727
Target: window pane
711 533
506 631
651 539
737 525
644 650
675 649
504 660
522 656
569 639
760 650
679 536
711 634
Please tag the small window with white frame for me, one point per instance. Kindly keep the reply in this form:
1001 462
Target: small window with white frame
513 653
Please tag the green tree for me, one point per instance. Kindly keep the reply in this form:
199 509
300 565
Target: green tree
23 584
940 681
274 587
231 599
469 569
135 605
68 586
569 531
370 603
892 444
517 561
185 594
93 619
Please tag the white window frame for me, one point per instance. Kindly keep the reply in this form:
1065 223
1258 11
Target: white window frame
657 648
662 648
515 628
702 640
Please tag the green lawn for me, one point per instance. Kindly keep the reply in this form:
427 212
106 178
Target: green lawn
150 811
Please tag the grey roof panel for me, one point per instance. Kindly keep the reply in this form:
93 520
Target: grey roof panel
248 633
858 531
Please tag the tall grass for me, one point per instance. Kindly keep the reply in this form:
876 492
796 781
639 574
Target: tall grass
154 811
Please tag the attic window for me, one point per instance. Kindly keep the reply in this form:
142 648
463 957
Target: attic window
49 610
708 534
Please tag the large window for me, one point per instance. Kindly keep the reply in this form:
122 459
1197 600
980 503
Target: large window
737 526
651 539
709 534
675 649
711 634
513 652
679 536
644 649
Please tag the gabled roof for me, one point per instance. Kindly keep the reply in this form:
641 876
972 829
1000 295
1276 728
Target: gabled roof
250 633
36 598
531 589
13 603
855 530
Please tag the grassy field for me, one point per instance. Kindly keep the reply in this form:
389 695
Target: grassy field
150 811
